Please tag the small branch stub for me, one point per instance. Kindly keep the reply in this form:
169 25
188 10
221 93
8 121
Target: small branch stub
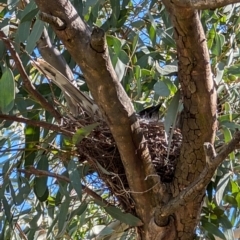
160 219
58 23
98 40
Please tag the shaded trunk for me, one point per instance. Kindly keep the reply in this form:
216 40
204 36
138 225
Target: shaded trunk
199 114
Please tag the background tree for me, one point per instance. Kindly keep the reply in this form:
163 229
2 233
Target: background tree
67 159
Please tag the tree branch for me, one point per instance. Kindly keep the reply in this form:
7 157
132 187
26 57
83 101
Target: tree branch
37 124
42 173
26 81
198 91
113 101
213 160
203 4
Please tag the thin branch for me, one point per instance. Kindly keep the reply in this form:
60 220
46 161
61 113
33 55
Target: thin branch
26 81
188 194
42 173
203 4
37 124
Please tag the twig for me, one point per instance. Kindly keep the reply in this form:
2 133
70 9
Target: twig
213 160
42 173
37 124
26 81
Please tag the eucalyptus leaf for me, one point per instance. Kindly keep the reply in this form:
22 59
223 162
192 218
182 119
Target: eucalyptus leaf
75 178
83 132
123 217
34 35
7 91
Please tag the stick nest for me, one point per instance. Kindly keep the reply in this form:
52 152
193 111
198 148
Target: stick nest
100 150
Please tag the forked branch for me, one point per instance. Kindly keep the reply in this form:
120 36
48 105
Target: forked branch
213 160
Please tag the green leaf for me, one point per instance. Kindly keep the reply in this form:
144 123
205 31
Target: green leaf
7 91
238 199
228 137
40 183
221 186
62 216
29 7
135 43
2 50
30 15
23 31
172 112
115 12
34 35
231 200
210 227
234 187
79 211
123 217
32 135
7 210
83 132
225 222
152 34
234 70
219 40
123 16
75 178
161 89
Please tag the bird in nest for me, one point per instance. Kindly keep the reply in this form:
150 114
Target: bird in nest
150 113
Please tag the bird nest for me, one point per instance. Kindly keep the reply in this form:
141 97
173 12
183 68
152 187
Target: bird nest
100 150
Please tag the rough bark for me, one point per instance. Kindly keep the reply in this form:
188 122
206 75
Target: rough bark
90 52
199 99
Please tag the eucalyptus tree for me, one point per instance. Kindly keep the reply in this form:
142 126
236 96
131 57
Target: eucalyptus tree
78 162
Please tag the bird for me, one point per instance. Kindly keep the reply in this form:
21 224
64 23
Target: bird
150 113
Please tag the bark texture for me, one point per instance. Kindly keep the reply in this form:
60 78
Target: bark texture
199 99
88 48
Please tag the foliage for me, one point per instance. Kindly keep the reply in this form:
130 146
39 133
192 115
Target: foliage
143 53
